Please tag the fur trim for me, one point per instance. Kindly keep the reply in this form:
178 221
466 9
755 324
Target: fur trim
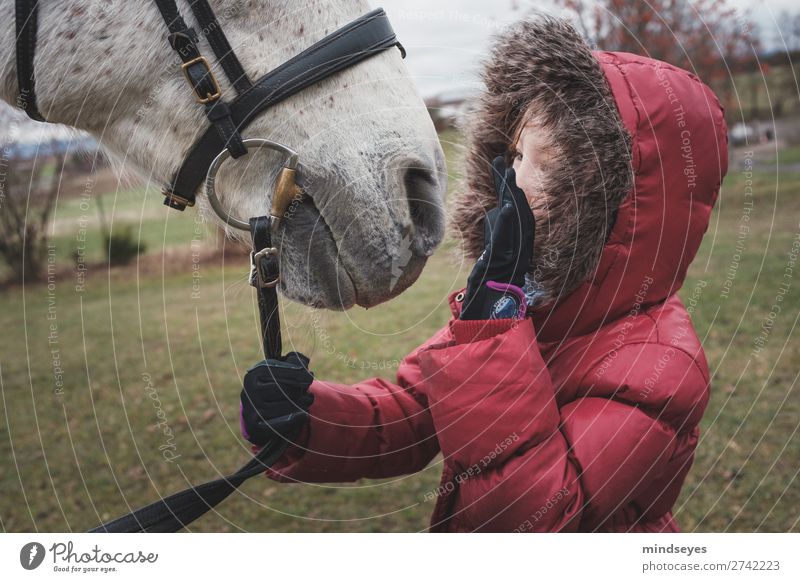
544 65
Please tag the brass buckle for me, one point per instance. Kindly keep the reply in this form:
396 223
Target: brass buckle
209 97
255 264
174 201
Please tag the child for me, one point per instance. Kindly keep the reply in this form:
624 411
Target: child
566 392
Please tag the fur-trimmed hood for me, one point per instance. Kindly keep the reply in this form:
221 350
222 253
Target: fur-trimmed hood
643 150
545 66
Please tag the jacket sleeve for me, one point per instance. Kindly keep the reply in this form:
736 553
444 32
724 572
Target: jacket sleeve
514 459
371 429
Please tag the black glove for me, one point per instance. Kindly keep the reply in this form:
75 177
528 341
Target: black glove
275 399
494 288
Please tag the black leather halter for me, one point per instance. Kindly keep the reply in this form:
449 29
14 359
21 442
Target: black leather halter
360 39
351 44
356 41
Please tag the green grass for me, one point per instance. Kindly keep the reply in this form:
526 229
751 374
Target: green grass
195 351
76 222
789 155
73 459
745 473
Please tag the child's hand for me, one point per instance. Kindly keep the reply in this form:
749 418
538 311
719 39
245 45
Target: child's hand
275 399
494 288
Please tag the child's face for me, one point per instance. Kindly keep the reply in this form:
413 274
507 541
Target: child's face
532 156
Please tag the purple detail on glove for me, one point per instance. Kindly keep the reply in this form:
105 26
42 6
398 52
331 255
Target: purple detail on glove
506 288
241 422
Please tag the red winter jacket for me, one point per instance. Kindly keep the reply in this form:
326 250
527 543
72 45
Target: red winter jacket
584 416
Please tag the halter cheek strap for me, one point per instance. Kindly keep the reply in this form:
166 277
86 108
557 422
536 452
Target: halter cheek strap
183 40
27 25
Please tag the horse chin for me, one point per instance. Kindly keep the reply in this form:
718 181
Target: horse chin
321 272
345 295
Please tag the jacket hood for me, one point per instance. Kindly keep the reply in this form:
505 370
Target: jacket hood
643 152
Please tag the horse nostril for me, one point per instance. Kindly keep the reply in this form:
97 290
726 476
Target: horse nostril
423 191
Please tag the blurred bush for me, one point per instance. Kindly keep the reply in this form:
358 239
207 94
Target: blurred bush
123 245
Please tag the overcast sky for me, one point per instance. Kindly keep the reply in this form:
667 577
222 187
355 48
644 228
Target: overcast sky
446 38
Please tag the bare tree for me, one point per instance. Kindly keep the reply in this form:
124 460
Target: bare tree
28 192
783 94
787 34
708 37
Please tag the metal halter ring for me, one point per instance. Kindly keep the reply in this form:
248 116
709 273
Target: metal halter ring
286 188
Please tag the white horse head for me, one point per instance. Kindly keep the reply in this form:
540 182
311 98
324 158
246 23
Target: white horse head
372 166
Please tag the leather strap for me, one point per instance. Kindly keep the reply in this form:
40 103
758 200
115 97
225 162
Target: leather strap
197 71
264 277
175 512
219 44
27 25
347 46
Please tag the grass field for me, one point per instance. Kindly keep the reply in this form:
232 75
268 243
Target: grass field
138 209
135 348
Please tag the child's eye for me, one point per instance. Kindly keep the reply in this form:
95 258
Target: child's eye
517 155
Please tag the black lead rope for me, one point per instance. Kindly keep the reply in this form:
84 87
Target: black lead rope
264 276
175 512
